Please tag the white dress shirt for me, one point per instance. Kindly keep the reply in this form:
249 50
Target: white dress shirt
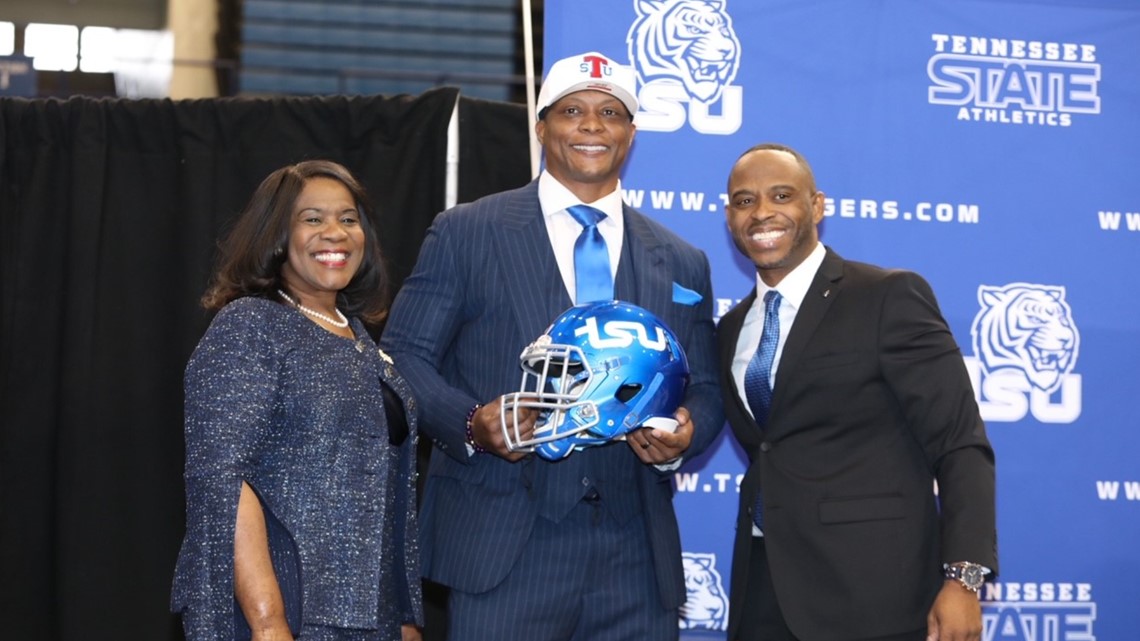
793 288
563 230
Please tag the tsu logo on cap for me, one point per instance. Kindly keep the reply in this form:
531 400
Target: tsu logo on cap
588 71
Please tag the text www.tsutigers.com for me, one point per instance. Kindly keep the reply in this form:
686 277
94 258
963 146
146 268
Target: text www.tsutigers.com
852 208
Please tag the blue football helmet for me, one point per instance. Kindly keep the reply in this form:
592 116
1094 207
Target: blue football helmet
601 370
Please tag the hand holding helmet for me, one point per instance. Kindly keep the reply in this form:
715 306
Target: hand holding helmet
655 446
600 371
487 431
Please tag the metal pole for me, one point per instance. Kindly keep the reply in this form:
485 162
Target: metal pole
528 50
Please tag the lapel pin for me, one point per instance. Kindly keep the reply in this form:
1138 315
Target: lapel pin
826 293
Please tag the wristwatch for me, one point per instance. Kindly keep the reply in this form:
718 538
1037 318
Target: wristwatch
970 575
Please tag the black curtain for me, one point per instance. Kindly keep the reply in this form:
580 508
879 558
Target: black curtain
109 215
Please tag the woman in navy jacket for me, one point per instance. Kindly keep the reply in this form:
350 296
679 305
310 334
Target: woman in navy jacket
300 434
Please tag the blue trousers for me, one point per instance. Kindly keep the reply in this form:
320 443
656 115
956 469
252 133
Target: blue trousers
585 578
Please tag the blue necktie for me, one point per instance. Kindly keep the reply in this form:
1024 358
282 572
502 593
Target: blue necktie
592 277
756 377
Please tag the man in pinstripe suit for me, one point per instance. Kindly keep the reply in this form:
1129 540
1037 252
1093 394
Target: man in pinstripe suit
586 547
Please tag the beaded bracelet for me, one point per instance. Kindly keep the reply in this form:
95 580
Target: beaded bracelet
479 449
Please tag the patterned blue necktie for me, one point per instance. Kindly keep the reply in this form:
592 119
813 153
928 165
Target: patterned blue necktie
756 378
592 277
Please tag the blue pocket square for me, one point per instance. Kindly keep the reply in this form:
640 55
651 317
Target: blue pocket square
684 295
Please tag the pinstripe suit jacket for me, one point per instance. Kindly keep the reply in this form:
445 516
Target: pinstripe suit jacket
486 284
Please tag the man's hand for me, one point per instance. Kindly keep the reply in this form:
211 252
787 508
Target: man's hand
487 429
655 446
955 616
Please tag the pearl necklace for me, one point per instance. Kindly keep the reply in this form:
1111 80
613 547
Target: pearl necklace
342 323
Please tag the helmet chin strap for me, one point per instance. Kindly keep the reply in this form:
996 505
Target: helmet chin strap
661 423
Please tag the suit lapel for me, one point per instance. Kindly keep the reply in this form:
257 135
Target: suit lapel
651 273
824 288
536 291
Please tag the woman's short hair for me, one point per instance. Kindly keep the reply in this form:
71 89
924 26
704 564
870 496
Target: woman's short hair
252 253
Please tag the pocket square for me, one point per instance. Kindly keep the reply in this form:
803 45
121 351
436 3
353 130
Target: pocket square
684 295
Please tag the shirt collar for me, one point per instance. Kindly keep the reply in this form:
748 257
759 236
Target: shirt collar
794 287
554 198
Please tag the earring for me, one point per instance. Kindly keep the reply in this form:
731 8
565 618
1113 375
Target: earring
279 251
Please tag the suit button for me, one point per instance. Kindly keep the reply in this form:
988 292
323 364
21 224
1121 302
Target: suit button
765 446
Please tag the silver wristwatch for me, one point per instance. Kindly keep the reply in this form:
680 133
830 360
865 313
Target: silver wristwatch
970 575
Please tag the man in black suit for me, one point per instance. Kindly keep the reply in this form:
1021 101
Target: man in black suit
857 403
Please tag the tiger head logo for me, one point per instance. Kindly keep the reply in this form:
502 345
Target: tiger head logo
686 41
1028 328
706 606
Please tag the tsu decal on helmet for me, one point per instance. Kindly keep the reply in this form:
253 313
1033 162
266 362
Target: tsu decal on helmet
601 370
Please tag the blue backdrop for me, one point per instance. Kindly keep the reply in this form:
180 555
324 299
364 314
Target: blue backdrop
991 146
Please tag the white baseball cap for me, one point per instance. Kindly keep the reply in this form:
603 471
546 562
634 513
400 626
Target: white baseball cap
588 71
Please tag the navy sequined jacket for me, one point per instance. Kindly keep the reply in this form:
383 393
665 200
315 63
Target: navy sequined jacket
298 413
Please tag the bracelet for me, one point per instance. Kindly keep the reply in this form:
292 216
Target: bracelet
479 449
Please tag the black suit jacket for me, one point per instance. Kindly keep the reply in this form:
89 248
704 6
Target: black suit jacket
871 405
